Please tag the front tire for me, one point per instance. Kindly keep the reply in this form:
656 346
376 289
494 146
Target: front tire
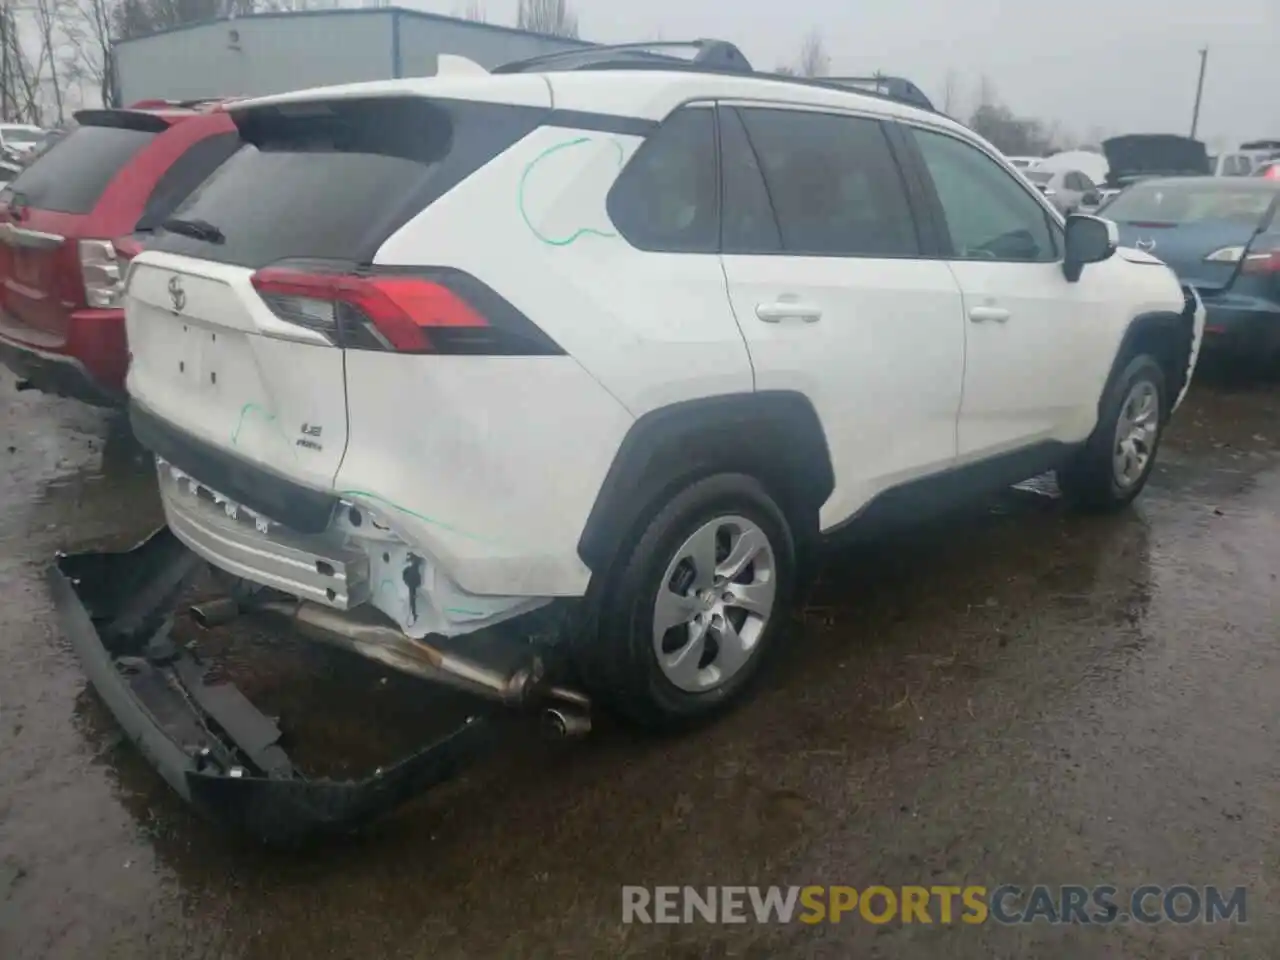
690 612
1116 462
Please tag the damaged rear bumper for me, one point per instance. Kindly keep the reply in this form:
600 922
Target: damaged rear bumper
212 746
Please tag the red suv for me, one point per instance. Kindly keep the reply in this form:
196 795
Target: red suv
70 222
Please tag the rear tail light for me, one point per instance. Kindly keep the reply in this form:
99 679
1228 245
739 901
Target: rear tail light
100 268
436 311
1225 255
1261 262
1254 262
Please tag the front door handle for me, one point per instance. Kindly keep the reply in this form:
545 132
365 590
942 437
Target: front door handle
984 314
781 310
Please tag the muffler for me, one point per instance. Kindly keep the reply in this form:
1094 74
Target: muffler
524 685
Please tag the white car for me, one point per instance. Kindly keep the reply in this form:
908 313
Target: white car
1070 191
1024 163
19 138
429 354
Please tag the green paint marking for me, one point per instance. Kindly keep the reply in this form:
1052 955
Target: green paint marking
267 418
465 613
524 213
366 495
247 409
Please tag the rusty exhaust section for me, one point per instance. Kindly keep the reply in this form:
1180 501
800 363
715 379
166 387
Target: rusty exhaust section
522 686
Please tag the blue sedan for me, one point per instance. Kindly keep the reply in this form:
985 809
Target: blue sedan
1221 235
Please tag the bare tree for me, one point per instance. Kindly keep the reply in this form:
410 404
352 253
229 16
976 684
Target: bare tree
21 70
87 30
814 61
550 17
1009 133
473 10
49 15
951 93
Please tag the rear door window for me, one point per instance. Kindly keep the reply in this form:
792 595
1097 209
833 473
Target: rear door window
834 184
72 175
332 181
749 225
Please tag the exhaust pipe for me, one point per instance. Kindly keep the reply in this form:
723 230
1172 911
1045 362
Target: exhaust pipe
562 723
215 613
388 646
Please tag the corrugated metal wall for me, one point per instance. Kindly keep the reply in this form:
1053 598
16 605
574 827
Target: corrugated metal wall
256 55
422 39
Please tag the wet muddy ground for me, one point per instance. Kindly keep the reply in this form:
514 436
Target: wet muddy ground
1019 696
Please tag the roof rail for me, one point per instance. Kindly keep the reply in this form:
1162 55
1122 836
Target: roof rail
719 56
707 55
895 88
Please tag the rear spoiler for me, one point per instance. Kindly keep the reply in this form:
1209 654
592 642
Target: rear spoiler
122 119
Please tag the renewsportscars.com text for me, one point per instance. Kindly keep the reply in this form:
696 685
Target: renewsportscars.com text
935 904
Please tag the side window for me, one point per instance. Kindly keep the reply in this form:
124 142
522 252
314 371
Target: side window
1073 182
749 225
1085 183
990 216
187 172
667 198
834 184
1237 165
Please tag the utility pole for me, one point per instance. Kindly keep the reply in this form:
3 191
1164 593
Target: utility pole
1195 113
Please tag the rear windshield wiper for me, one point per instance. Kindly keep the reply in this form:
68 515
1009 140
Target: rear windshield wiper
196 229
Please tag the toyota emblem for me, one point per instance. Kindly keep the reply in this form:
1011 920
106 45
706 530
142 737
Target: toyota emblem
177 294
1147 245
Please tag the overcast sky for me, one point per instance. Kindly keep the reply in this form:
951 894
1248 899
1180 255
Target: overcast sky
1122 67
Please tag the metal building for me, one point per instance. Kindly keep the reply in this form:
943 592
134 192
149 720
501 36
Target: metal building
274 52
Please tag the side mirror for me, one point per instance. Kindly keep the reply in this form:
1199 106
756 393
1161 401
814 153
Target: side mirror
1088 240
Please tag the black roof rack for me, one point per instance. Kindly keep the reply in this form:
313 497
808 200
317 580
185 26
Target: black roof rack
716 56
707 55
895 88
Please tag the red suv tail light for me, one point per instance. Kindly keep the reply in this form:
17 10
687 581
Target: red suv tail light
437 311
100 269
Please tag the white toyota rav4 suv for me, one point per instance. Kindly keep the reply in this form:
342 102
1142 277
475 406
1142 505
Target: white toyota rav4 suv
428 354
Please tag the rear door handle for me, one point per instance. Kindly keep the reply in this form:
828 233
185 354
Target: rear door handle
781 310
984 314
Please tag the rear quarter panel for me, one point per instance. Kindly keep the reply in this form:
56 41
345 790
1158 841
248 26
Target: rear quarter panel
509 453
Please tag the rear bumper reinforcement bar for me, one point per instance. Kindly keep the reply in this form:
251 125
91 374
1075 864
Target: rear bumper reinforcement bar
204 737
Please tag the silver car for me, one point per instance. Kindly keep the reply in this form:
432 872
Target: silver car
1068 190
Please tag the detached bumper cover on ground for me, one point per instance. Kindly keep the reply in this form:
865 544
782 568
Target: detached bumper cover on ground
211 745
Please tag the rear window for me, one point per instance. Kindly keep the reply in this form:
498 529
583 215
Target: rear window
331 181
1189 203
72 175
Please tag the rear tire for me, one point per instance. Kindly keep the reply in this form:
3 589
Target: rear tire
689 613
1116 461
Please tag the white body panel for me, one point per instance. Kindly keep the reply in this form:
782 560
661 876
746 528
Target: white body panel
488 467
882 361
220 368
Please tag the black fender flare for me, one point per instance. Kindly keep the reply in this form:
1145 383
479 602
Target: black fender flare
1167 335
773 435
